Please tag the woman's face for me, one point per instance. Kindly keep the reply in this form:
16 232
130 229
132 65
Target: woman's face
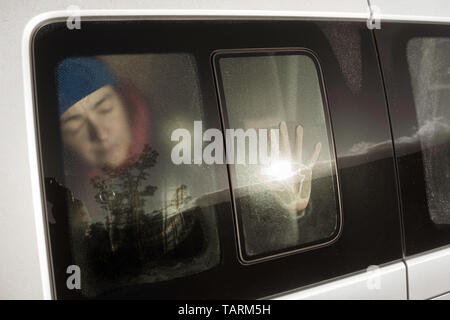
97 128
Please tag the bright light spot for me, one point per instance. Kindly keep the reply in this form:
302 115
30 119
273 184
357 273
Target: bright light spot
279 170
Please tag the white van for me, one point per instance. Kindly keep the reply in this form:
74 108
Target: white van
116 182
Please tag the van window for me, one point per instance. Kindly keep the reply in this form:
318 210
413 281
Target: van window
289 202
134 216
429 68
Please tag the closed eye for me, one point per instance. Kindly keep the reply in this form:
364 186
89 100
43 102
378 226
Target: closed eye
71 119
105 108
73 123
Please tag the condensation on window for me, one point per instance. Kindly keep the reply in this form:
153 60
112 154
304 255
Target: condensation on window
345 42
135 216
280 207
429 66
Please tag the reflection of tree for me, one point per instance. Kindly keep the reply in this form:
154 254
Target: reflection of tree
132 236
135 240
121 193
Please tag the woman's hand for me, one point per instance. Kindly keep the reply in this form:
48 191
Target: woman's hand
292 188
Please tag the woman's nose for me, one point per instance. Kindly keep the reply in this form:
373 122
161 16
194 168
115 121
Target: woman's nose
97 131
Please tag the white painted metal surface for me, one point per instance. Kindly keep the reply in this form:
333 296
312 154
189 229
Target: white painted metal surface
407 10
387 283
24 269
429 274
443 297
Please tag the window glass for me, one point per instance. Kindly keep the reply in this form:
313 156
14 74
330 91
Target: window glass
289 201
429 68
134 216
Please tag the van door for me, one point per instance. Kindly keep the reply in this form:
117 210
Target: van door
414 58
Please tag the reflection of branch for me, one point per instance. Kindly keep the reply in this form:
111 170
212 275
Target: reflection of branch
119 193
180 198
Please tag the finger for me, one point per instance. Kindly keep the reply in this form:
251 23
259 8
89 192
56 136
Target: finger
300 185
305 189
285 151
299 143
315 155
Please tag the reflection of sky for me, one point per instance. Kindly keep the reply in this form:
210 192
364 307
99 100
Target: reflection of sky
354 86
434 131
